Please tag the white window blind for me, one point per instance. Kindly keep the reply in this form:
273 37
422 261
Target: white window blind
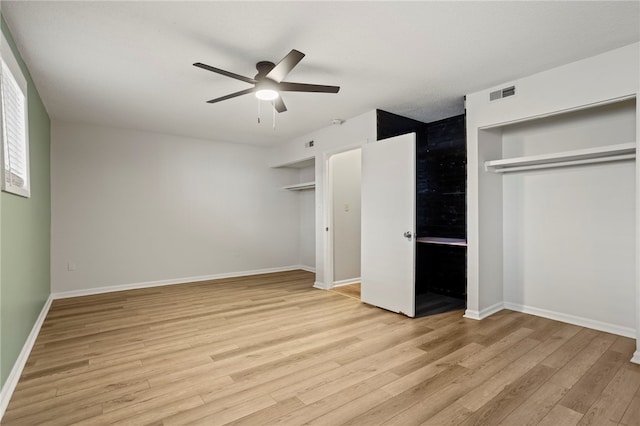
15 144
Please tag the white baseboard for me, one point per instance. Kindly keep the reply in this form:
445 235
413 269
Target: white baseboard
636 357
346 282
479 315
147 284
474 315
320 285
576 320
307 268
12 380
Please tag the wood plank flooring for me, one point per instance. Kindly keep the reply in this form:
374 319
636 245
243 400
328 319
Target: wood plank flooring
270 349
351 290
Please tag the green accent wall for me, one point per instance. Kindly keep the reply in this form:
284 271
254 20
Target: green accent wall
25 235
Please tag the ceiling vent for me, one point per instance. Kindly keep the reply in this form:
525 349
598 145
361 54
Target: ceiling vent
502 93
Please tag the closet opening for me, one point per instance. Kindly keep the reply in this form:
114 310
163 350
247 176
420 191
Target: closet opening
559 199
344 178
441 245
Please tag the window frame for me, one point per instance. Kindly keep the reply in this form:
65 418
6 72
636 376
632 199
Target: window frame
9 59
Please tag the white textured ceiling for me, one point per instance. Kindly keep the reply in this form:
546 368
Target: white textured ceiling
128 64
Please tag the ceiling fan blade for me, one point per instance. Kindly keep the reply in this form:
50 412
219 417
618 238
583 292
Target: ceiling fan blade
233 95
225 73
284 67
279 105
301 87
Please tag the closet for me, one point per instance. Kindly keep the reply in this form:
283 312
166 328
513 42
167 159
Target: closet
440 234
552 195
441 279
303 185
568 213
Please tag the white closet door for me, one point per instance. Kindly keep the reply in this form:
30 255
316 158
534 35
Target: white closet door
388 224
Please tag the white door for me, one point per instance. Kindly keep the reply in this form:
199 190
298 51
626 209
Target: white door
388 224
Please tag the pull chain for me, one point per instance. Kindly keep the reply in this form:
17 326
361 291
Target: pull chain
273 105
259 111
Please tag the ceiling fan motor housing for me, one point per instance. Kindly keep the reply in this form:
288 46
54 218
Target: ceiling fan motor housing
263 68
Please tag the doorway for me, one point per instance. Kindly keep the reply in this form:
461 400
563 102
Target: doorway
345 221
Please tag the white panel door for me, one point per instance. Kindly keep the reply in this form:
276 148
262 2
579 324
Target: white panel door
388 224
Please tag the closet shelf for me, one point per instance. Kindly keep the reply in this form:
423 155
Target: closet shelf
600 154
300 186
299 164
443 241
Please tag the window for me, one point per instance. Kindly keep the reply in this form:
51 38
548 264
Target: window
15 135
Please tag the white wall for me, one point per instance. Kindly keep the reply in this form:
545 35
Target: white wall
327 141
133 207
307 211
569 240
345 187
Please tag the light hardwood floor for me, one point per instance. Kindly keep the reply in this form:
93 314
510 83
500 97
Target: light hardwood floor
351 290
271 349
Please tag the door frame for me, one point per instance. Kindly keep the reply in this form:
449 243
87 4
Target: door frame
328 210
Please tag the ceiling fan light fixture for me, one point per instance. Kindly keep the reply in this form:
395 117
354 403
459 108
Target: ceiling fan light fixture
267 94
269 81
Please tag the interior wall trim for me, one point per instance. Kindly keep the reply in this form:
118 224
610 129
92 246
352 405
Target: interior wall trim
348 281
12 380
307 268
482 314
185 280
575 320
320 285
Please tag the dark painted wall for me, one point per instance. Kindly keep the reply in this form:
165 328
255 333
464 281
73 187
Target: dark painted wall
389 125
441 164
441 269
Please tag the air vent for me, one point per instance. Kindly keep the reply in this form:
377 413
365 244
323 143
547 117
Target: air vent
502 93
309 144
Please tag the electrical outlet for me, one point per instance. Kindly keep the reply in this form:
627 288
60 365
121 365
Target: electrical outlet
71 266
346 207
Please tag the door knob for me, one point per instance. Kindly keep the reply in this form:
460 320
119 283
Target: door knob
407 235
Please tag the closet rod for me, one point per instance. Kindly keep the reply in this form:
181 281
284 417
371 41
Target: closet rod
567 163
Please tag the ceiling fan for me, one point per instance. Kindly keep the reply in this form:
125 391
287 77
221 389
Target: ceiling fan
268 84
